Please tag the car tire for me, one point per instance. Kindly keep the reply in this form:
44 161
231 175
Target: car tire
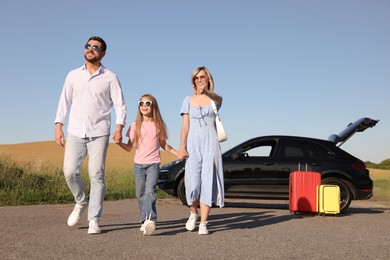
181 191
345 192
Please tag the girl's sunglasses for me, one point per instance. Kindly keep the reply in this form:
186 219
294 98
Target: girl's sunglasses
146 103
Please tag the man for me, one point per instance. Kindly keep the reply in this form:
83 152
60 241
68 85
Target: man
89 93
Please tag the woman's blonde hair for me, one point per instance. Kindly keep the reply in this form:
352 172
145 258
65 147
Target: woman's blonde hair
211 80
156 118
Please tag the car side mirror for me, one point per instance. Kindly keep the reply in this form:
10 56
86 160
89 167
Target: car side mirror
239 156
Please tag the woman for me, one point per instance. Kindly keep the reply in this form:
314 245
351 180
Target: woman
199 145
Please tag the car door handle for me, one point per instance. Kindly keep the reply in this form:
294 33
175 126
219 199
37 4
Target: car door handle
269 163
316 164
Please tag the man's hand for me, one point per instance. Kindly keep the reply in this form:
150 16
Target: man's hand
59 135
117 135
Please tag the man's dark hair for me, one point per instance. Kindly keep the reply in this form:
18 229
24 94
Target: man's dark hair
97 38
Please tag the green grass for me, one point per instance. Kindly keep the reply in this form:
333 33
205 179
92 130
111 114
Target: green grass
28 184
381 180
32 184
383 165
383 188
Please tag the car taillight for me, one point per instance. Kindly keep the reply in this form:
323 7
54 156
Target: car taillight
359 166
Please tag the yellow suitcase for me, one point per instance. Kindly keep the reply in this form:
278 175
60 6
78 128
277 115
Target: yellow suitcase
328 199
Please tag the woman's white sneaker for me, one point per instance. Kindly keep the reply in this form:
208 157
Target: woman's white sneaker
203 229
191 222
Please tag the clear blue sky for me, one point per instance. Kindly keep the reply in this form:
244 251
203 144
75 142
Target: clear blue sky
283 67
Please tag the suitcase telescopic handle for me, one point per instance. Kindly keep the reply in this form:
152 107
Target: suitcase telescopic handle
299 166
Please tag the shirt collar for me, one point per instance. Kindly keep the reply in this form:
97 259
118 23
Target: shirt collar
100 70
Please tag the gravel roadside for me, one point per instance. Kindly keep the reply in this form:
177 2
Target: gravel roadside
243 229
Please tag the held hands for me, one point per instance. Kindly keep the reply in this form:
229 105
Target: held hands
182 154
117 137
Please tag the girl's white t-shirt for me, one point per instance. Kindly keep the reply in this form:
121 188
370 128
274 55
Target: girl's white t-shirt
148 150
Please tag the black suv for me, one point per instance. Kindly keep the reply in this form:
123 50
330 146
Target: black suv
260 167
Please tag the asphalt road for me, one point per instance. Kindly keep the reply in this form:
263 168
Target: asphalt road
244 229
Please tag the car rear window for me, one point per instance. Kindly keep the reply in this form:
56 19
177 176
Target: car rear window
325 152
298 148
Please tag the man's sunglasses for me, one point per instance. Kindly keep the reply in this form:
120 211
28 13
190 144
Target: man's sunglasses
146 103
93 47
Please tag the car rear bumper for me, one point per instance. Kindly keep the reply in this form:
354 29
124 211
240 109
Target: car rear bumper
363 195
364 191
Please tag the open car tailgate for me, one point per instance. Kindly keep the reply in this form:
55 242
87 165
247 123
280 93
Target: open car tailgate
358 126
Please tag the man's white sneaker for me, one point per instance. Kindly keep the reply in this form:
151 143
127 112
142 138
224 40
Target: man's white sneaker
203 229
191 222
94 227
142 228
75 216
149 227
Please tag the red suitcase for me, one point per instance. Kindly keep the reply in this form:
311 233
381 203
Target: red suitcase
303 191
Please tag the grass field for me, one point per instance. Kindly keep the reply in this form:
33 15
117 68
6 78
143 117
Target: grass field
381 180
49 154
30 173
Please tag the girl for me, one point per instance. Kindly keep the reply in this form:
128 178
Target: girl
148 133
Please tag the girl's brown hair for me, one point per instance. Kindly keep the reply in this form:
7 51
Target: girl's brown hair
156 118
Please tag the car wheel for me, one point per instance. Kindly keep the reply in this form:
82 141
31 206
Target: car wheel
345 192
181 191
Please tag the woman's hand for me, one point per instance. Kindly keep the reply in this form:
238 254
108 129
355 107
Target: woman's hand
182 154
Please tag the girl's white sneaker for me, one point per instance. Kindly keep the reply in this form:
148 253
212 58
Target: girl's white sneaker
149 227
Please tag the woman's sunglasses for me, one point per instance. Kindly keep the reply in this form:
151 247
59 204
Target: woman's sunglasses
146 103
